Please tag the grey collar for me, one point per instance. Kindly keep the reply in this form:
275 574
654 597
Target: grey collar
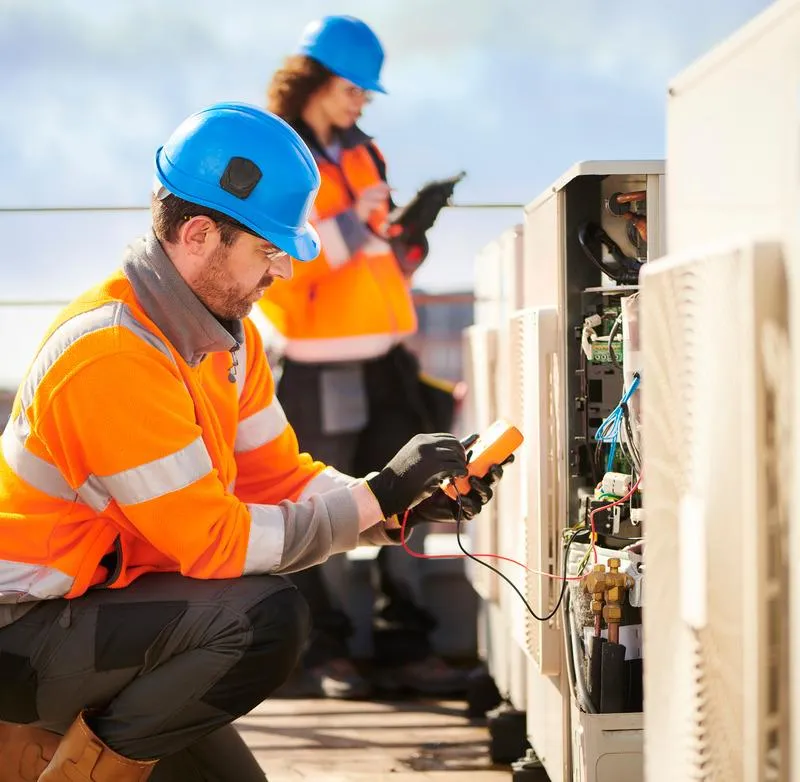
172 305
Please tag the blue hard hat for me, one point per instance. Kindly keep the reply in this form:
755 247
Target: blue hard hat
347 47
250 165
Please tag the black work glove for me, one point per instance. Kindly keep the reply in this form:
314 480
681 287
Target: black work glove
441 509
416 471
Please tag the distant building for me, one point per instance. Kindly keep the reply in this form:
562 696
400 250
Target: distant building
442 318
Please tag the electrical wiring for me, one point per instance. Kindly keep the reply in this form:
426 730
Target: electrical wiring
476 557
629 436
611 335
627 271
587 437
609 430
593 537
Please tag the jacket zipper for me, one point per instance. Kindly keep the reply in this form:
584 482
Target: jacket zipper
234 363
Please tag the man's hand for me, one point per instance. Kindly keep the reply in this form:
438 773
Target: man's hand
441 509
416 471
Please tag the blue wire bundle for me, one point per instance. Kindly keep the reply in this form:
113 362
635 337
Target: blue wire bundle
608 431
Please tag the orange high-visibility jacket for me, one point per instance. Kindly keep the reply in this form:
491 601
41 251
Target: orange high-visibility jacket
135 445
352 302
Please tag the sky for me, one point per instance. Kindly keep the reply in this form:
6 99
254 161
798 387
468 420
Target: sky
512 91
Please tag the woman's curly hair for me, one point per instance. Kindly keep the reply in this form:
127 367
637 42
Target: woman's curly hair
293 84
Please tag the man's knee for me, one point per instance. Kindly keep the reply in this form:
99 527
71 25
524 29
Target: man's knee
281 625
278 629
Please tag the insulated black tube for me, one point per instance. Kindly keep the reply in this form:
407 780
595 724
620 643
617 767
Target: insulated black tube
612 686
595 670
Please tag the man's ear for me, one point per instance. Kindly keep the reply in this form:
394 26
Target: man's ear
197 234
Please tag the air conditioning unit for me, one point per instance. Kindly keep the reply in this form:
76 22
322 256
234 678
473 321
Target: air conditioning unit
509 508
511 270
716 362
498 278
480 361
534 408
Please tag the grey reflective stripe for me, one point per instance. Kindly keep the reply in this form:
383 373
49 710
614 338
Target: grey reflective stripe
30 468
358 348
20 581
60 340
328 480
105 316
91 491
159 477
35 471
129 487
241 370
267 534
127 321
261 427
334 243
44 476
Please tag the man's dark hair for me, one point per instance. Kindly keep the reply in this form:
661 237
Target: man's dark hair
293 84
171 212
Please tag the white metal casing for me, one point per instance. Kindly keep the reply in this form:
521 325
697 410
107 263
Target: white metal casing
715 610
734 157
535 396
480 370
732 135
606 747
498 278
509 503
547 284
544 240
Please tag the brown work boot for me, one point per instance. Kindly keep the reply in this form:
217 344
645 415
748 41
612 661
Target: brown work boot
25 752
82 757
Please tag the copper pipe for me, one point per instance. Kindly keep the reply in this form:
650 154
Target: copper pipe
613 633
639 223
627 198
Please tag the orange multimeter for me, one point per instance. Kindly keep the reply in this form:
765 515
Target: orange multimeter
494 446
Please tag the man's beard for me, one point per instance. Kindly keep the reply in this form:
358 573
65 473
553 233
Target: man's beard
214 288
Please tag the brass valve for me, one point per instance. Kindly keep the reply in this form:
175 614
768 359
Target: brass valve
615 585
595 584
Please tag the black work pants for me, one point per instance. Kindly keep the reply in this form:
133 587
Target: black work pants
396 411
164 666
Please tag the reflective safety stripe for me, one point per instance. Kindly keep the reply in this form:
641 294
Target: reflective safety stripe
20 582
91 492
333 242
328 480
159 477
342 237
260 428
364 346
128 487
33 470
265 544
103 317
375 246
